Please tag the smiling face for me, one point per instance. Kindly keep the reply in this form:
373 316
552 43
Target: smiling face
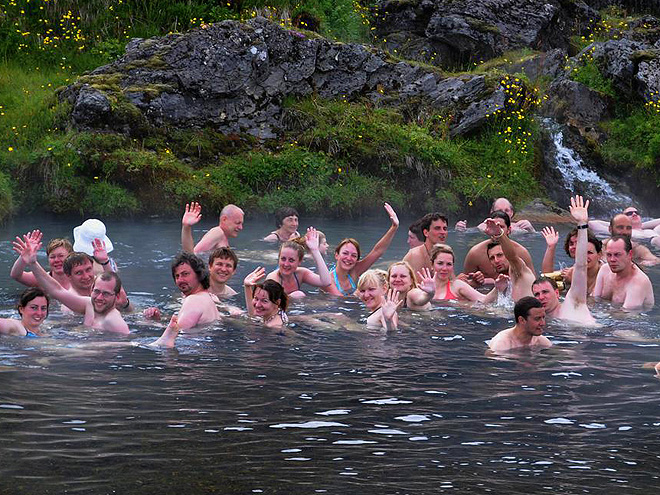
372 295
288 261
56 259
437 232
290 224
443 266
347 256
103 296
547 294
534 323
34 312
497 260
222 270
232 223
400 279
82 277
263 306
186 279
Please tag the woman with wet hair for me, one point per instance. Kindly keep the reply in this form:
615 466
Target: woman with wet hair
383 302
266 300
32 306
286 226
414 295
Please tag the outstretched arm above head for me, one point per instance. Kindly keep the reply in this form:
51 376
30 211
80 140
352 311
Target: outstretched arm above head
191 215
577 294
18 272
390 320
248 284
322 279
381 246
516 264
551 237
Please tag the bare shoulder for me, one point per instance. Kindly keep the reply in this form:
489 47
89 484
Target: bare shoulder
501 341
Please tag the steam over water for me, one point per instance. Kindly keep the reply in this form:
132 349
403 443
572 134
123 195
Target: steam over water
237 409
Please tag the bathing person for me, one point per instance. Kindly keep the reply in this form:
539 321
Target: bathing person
594 249
502 204
323 243
574 307
448 287
383 303
477 267
415 235
622 225
638 228
350 267
222 266
99 309
231 223
621 281
504 258
90 238
291 275
191 276
56 250
286 226
266 300
528 331
434 228
33 308
402 279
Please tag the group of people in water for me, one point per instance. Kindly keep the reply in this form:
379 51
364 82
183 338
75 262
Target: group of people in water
84 278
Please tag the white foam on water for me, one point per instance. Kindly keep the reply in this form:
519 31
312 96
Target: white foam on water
308 424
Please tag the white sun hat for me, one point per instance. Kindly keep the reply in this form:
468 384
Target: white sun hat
84 234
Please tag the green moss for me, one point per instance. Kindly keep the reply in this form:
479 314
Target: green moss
106 199
589 75
108 83
151 90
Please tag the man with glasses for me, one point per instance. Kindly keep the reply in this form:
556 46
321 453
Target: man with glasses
621 224
639 229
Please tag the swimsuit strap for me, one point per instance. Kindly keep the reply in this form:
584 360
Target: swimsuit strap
279 275
448 293
338 285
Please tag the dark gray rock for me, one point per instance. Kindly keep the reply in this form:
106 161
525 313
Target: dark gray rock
548 64
233 77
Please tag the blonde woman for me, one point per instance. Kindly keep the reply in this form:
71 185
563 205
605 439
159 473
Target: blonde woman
400 277
373 291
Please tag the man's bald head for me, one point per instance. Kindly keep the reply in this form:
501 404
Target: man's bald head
621 225
231 220
504 205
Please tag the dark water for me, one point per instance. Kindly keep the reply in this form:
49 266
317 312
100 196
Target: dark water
236 409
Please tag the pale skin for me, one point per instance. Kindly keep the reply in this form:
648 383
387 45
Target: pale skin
477 261
416 298
231 223
383 304
258 303
574 308
287 231
99 311
55 260
502 204
198 307
32 316
420 257
519 273
349 264
639 229
220 272
288 265
526 334
621 282
444 274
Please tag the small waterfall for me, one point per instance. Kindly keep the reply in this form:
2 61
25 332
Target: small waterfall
580 180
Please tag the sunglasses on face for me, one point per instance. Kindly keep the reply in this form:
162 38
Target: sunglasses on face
631 213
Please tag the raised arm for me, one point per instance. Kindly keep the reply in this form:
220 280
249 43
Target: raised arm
18 272
322 279
551 239
516 263
599 226
389 318
426 286
248 284
191 215
577 294
381 246
651 224
28 251
100 255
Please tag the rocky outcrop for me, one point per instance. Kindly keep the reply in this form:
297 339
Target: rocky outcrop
452 33
233 77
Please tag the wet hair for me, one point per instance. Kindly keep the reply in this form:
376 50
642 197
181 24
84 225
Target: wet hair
492 207
426 221
282 213
322 237
416 228
298 245
197 265
503 215
524 305
223 253
442 248
75 259
28 295
413 278
491 245
598 244
349 240
275 293
542 279
373 276
107 277
627 243
56 243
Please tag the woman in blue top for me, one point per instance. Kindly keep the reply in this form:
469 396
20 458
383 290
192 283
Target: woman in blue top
33 308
